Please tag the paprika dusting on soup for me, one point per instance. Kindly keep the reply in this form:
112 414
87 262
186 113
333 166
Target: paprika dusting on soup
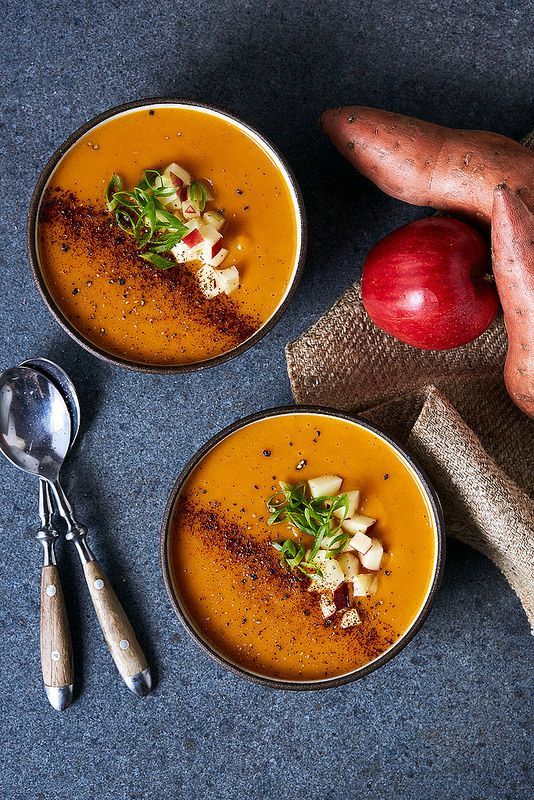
90 230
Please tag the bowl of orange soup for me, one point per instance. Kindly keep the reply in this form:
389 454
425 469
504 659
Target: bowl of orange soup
302 548
166 235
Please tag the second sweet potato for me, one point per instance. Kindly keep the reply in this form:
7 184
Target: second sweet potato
512 235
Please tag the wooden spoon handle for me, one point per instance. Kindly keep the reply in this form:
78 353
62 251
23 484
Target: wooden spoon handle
118 632
56 649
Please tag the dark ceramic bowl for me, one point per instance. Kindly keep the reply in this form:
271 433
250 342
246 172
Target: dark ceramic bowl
65 323
326 683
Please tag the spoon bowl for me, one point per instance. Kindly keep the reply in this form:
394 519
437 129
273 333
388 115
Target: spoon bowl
35 423
61 380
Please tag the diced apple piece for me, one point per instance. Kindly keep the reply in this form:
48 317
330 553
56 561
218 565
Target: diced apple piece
325 485
214 281
190 202
357 523
173 204
219 258
209 285
373 557
212 243
177 175
189 210
228 278
332 574
354 501
163 181
216 248
364 584
350 619
361 542
328 607
193 239
350 565
184 254
176 178
214 219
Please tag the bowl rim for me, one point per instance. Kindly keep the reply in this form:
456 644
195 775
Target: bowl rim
65 323
322 683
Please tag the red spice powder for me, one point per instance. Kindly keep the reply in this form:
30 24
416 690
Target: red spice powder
230 542
216 529
72 224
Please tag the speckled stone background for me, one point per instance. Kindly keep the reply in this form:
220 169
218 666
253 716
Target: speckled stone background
449 717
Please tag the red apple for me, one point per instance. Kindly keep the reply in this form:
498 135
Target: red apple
426 284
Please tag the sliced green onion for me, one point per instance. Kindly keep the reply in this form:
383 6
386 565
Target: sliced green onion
114 186
197 193
314 517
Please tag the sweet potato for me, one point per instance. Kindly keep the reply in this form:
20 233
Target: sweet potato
429 165
512 240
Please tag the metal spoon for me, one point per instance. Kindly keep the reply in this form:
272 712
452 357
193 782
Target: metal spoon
56 648
35 434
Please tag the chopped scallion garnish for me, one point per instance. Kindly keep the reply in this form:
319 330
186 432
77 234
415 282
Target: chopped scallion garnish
140 214
314 517
197 194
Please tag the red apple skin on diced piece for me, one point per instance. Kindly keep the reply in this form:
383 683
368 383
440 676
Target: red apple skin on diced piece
217 260
178 175
208 188
341 596
216 248
193 238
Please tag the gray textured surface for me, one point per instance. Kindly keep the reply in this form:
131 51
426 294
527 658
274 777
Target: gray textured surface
449 716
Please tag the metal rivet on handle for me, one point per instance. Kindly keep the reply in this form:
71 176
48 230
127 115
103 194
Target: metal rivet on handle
124 644
51 590
55 655
99 584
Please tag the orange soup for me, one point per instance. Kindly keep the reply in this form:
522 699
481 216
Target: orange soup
130 308
254 610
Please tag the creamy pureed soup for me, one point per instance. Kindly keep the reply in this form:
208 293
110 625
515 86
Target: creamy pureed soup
256 611
125 305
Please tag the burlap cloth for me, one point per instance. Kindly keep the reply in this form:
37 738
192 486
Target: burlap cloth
451 410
